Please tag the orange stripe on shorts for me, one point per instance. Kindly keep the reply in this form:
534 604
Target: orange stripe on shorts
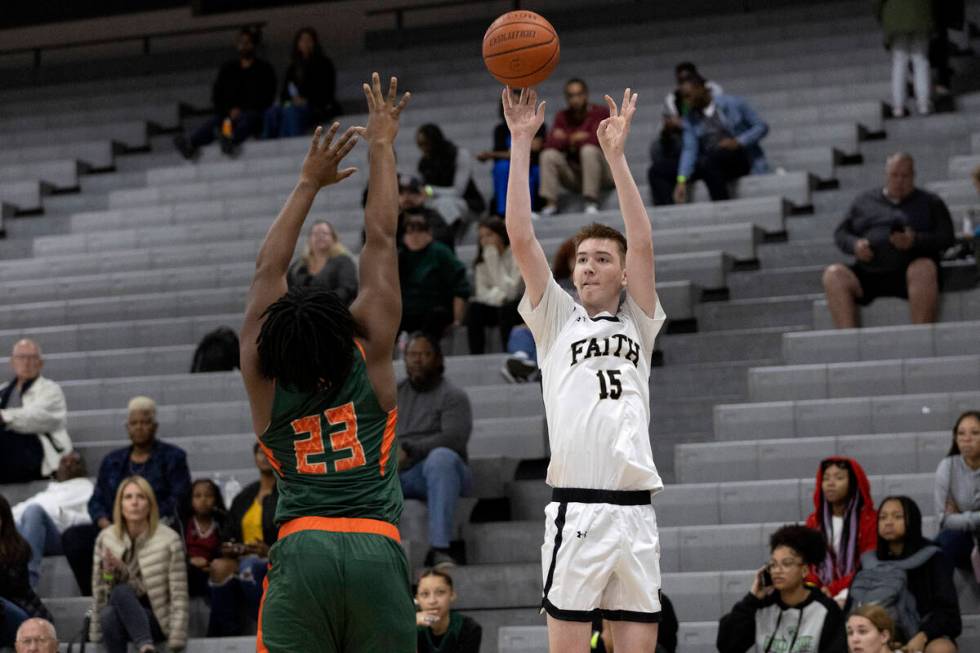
259 644
340 525
388 438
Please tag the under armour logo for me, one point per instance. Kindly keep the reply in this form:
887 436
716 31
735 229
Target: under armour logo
581 534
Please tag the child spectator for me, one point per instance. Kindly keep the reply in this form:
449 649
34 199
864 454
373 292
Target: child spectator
498 286
870 630
781 610
441 630
202 533
308 91
845 514
957 496
934 624
325 263
18 602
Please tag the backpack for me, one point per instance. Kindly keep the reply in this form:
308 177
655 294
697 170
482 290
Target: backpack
218 352
885 583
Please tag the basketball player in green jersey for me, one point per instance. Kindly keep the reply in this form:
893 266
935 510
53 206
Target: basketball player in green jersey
322 392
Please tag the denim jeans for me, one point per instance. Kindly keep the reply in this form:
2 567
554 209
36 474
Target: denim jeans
126 619
440 479
11 617
286 121
40 531
247 124
236 598
957 545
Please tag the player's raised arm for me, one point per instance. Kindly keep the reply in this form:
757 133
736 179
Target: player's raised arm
320 169
524 118
613 132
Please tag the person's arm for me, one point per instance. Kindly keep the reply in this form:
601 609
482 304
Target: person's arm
470 637
177 584
844 235
941 612
455 426
179 477
941 237
100 504
44 412
524 117
346 287
558 136
320 169
833 635
220 99
464 171
757 127
613 133
736 630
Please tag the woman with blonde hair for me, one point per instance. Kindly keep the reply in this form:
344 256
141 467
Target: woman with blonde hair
870 630
139 578
325 263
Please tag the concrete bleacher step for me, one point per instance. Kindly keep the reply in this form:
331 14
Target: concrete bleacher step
880 343
130 133
780 282
888 311
165 115
25 196
97 153
761 312
59 174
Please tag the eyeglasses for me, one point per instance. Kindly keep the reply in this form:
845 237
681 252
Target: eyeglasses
35 641
783 565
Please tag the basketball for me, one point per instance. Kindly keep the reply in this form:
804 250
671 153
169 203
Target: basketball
520 49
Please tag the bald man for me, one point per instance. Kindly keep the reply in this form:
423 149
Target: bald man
37 636
897 234
33 437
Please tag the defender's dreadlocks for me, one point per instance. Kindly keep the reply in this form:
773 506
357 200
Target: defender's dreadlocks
306 341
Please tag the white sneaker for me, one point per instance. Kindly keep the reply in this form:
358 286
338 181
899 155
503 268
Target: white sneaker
549 211
591 208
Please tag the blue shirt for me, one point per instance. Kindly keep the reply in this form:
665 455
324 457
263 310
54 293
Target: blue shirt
740 120
165 470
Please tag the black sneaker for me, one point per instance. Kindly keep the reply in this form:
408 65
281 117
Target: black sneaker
519 369
442 561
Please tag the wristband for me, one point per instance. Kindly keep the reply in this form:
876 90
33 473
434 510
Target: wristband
681 179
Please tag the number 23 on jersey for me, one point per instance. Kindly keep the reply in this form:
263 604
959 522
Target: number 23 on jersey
344 440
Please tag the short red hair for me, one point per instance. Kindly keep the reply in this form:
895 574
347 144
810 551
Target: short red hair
602 232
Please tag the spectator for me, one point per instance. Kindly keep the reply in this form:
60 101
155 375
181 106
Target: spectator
32 419
44 517
325 262
844 513
434 424
947 15
140 581
498 286
500 155
245 88
563 263
18 602
308 91
246 536
934 626
870 630
441 630
957 496
448 171
37 636
164 467
897 235
780 610
202 537
412 201
720 141
908 25
602 634
433 281
571 155
665 153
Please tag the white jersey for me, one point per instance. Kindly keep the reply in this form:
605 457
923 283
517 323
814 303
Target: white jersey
596 383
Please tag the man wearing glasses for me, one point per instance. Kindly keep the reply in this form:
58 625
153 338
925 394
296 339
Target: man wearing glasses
37 636
33 437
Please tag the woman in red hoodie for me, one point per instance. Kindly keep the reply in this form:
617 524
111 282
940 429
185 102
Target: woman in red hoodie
845 513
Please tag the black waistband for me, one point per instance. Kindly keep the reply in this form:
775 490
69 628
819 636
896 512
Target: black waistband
617 497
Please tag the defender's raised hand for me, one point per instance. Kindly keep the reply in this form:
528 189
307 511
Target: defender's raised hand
614 130
320 165
525 116
383 112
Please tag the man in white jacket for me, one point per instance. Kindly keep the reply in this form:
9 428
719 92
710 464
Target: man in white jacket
33 437
44 517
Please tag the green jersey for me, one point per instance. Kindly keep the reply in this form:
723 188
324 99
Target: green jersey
332 451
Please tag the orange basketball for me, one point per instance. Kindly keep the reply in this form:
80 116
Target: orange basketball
520 49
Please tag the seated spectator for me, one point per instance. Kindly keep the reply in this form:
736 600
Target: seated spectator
665 153
720 141
202 533
870 630
37 636
957 493
571 157
434 284
45 516
440 629
434 425
308 91
844 513
602 631
563 263
32 419
897 234
907 24
245 88
500 155
246 536
326 263
412 201
164 467
498 287
140 583
780 609
934 623
18 602
448 171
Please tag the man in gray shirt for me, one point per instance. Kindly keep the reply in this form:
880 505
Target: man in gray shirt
434 424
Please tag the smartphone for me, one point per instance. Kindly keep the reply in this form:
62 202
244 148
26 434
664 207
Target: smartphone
898 226
766 578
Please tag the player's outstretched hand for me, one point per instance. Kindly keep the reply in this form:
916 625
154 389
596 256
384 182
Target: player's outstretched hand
320 168
614 130
525 116
383 112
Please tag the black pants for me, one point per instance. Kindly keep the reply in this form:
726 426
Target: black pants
720 167
662 174
78 543
939 58
480 316
20 456
249 123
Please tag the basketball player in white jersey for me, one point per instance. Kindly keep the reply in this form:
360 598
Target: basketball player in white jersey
601 551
